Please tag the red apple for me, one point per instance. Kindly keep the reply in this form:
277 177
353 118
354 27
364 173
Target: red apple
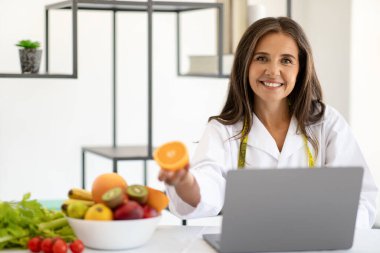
149 212
129 211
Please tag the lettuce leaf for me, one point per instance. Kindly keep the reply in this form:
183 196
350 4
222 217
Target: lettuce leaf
20 221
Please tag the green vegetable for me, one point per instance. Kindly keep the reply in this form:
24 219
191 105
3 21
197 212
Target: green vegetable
20 221
28 44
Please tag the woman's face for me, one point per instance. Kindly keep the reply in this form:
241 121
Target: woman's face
274 68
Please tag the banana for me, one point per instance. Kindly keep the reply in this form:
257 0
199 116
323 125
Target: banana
77 193
64 208
70 201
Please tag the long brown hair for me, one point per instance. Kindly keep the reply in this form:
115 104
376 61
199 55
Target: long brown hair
305 101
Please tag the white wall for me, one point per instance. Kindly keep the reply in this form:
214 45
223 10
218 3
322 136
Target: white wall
365 65
327 24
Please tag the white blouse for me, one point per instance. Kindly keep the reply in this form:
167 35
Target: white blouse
217 153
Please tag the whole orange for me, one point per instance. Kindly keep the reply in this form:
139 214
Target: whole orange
105 182
157 199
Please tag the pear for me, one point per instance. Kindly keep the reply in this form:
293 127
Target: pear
77 210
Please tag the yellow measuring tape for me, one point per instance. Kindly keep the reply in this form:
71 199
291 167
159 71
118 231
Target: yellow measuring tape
243 150
308 153
243 147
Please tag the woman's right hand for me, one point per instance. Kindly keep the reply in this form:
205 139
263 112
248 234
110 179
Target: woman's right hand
184 182
174 178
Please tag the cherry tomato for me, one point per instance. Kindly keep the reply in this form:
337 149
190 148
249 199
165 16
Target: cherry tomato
34 244
47 245
59 246
77 246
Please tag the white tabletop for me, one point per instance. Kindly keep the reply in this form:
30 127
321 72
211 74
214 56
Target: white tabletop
188 239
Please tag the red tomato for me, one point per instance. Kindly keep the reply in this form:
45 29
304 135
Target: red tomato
47 245
59 246
77 246
34 244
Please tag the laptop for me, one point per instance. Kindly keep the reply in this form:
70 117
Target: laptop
289 210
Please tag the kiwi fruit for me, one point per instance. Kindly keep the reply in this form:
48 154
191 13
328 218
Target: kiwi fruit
113 197
138 193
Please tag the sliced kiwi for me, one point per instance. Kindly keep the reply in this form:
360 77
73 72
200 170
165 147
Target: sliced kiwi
138 193
113 197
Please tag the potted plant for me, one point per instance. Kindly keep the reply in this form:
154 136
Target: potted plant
30 56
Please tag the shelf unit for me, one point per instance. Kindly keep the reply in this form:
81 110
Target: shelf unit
47 74
122 153
157 6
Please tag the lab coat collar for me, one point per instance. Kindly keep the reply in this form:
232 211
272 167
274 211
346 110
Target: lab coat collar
294 140
260 138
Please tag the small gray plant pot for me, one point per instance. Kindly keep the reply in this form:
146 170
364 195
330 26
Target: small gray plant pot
30 59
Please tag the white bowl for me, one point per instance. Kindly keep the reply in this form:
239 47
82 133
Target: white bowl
116 234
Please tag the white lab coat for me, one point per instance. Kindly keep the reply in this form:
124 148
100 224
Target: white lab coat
217 153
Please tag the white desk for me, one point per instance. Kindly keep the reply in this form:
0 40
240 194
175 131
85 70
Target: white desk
188 239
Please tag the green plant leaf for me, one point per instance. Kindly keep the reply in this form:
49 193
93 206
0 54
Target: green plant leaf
28 44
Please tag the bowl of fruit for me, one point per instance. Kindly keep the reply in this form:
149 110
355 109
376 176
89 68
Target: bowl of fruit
114 215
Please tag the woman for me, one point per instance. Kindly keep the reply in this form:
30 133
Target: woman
273 117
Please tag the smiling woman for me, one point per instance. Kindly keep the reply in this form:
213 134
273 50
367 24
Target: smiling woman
274 117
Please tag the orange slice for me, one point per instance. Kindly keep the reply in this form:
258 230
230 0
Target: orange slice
172 156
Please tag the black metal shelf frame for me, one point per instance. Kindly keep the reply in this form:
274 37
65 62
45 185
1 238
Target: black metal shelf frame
12 75
119 153
74 7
